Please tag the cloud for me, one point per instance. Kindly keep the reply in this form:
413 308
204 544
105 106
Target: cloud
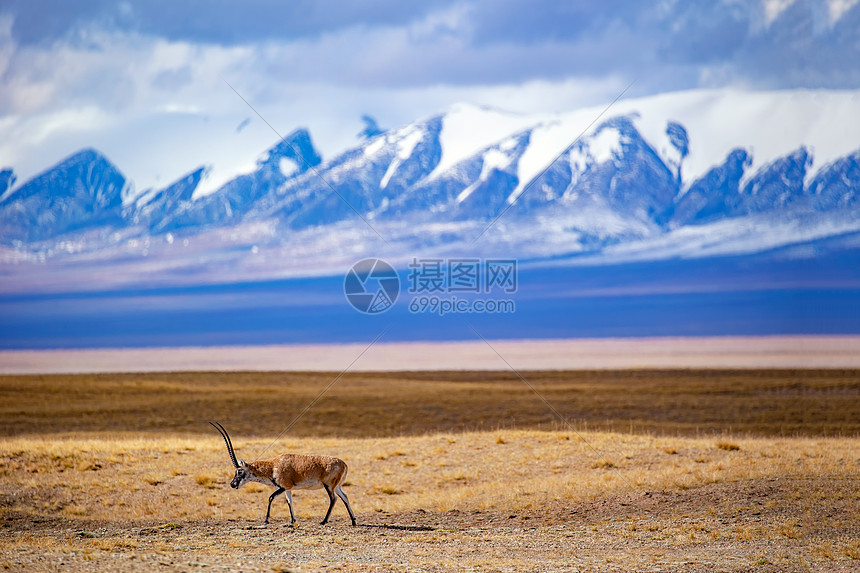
172 79
223 22
146 70
663 44
771 43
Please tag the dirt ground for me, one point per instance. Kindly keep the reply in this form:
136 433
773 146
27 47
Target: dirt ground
719 527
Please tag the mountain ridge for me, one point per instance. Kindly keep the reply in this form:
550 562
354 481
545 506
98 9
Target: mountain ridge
567 184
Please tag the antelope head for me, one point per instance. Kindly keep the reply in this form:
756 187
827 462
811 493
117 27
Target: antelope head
243 474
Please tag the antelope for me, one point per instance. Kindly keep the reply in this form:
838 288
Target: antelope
291 471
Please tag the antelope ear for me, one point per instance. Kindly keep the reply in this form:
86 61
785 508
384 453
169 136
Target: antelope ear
242 463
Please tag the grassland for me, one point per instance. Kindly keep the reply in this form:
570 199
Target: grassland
659 470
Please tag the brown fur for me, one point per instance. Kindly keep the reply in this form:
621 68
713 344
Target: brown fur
290 471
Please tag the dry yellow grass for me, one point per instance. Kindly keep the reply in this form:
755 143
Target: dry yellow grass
165 477
125 467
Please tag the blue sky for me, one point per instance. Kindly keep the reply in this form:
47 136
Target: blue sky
143 81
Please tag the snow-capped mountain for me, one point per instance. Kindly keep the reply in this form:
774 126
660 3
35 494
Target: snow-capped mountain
81 192
739 171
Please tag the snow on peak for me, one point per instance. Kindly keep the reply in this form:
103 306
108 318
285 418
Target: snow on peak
492 159
770 123
215 178
605 144
405 141
468 129
375 146
287 166
548 140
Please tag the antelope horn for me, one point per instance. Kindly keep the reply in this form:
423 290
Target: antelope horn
227 441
